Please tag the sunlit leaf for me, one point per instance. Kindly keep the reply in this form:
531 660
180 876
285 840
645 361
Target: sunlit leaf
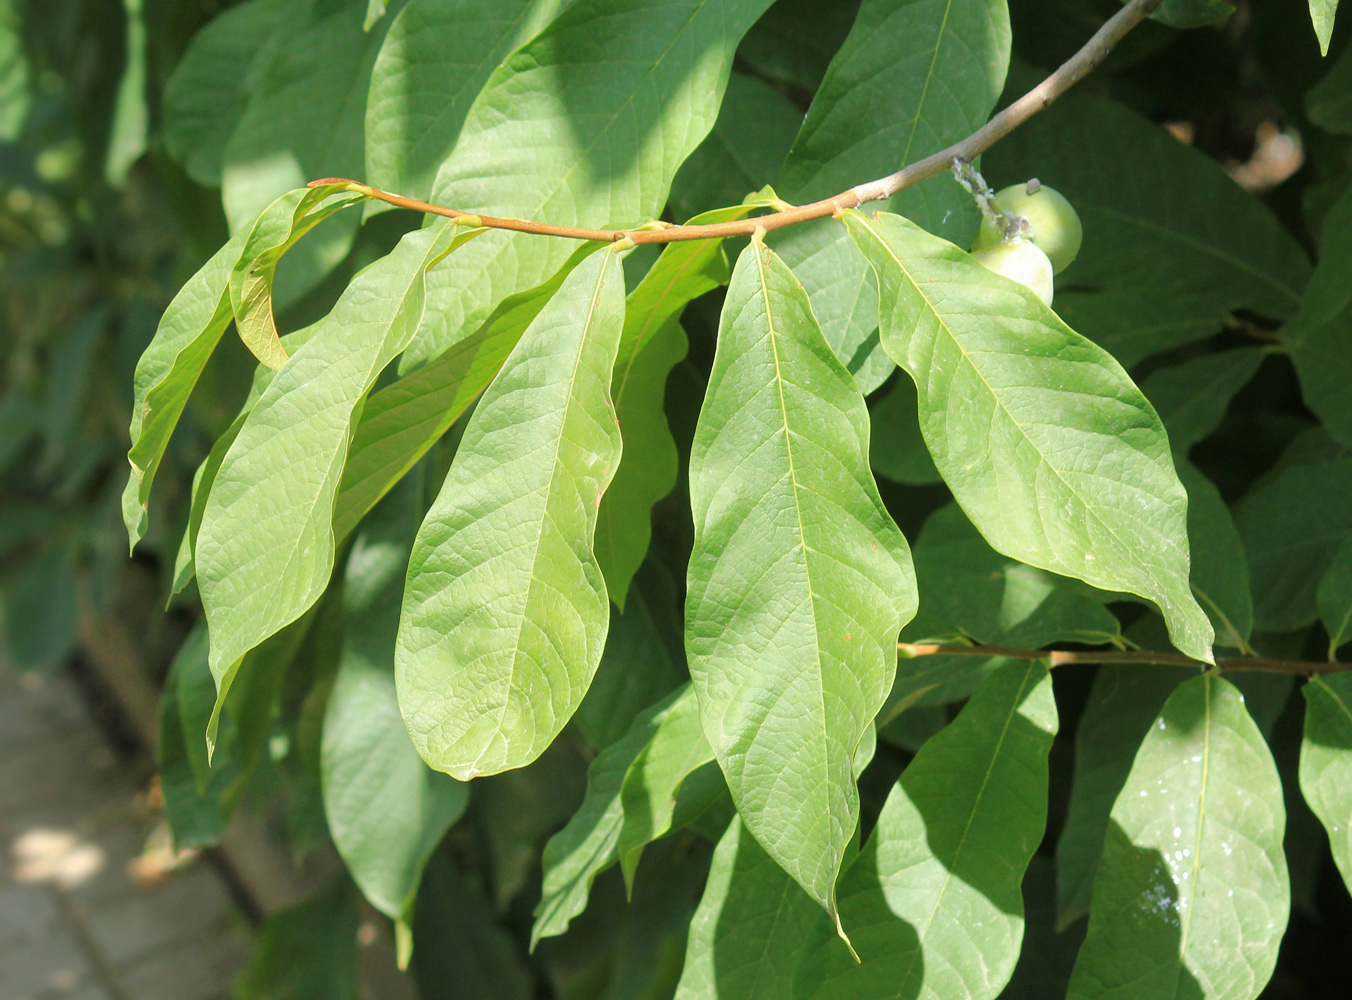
1326 762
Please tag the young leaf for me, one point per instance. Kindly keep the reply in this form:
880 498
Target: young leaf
912 77
652 343
586 124
1321 13
1192 861
1334 598
435 60
932 903
168 370
386 810
265 549
1001 382
276 231
505 612
1191 398
1326 762
799 581
1292 524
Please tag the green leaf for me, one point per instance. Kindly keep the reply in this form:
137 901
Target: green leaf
1192 398
1220 569
403 420
1123 704
743 153
386 810
38 611
799 581
1326 762
505 611
1192 861
933 902
1196 235
15 87
207 93
375 10
1321 13
1292 524
1134 323
304 120
1193 13
652 343
167 371
794 42
1329 102
644 658
896 448
969 589
1090 494
584 125
1328 293
130 116
308 951
648 794
913 77
265 549
1322 354
1334 598
435 60
276 231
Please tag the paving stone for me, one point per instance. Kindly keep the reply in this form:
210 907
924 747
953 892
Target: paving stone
42 965
88 991
191 906
194 971
77 767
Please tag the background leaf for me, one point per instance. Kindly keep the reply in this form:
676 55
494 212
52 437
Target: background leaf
1191 398
308 951
1325 761
1334 598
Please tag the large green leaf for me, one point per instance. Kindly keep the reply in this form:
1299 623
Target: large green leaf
1292 524
933 902
585 125
1159 216
1322 354
1192 398
1133 323
1003 387
794 42
403 420
1326 762
652 343
969 589
913 77
386 810
1192 860
166 373
1220 570
1334 598
265 548
799 581
1321 13
207 93
505 612
434 61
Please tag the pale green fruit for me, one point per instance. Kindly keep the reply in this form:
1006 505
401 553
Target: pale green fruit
1023 262
1055 223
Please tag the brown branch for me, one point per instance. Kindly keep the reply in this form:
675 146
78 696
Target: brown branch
1066 657
1038 99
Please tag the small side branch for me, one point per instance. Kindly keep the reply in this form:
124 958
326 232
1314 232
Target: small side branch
1075 69
1065 657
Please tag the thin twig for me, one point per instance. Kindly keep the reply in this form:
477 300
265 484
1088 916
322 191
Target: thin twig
1038 99
1066 657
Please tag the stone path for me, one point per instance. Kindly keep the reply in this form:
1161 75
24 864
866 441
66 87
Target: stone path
86 912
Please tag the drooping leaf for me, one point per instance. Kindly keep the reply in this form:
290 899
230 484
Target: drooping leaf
386 810
913 77
799 581
896 448
1191 398
505 612
1123 703
1001 381
1321 13
434 61
1334 598
1192 860
586 124
207 93
1292 524
1326 762
403 420
933 901
1220 569
168 370
265 548
1329 102
1159 216
652 343
307 951
276 231
969 589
